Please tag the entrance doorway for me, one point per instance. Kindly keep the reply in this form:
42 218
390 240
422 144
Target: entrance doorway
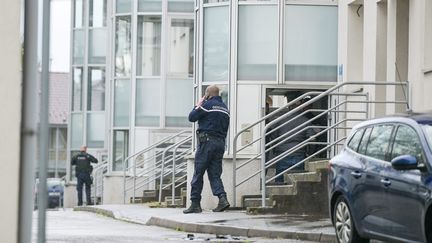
276 98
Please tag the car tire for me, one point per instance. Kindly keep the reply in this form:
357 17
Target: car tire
346 231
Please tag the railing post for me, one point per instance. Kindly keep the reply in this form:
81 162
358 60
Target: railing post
173 176
263 174
161 175
134 181
234 180
124 182
95 183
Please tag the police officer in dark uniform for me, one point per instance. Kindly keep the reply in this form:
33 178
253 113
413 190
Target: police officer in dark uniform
213 121
83 170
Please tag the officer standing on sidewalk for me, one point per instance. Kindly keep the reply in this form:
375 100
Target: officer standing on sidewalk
213 121
83 169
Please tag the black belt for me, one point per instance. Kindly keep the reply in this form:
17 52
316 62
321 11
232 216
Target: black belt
204 137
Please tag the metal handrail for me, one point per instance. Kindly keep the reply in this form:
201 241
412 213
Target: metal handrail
96 178
319 95
174 173
174 146
147 149
159 164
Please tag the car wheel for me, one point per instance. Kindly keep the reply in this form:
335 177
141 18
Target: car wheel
346 231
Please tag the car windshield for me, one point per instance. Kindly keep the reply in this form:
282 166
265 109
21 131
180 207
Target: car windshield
428 132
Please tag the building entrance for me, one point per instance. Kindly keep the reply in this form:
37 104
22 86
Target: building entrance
280 97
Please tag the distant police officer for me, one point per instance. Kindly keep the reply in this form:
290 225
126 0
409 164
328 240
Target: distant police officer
213 121
83 170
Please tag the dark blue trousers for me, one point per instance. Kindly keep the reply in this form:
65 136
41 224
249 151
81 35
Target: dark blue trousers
208 157
84 179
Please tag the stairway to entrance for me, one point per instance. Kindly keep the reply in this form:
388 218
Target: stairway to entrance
348 104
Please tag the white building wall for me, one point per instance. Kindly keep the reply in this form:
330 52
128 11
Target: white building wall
416 54
10 91
248 96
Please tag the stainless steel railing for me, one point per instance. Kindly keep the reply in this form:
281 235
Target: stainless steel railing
150 167
340 115
97 187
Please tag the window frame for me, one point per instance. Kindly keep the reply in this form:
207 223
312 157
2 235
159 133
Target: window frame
397 126
361 130
386 153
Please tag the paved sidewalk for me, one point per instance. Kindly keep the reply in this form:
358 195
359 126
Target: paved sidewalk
235 223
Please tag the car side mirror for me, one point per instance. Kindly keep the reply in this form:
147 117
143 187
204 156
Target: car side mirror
404 162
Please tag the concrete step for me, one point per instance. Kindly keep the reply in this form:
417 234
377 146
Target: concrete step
178 201
136 201
260 210
305 176
281 190
316 165
254 201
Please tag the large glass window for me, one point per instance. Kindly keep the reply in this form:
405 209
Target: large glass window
149 5
216 43
97 46
181 41
96 89
123 46
121 102
406 142
120 148
148 102
76 130
149 46
78 46
180 71
57 152
98 10
310 43
179 102
77 74
123 6
95 130
379 141
79 14
257 42
180 5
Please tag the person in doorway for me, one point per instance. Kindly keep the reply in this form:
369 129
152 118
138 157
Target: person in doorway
292 125
213 121
83 170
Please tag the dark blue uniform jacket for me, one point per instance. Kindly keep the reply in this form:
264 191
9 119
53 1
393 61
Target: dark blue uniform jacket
82 162
212 117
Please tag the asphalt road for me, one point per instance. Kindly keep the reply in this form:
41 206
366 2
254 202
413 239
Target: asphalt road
69 226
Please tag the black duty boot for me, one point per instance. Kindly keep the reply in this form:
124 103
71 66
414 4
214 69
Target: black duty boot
222 205
195 207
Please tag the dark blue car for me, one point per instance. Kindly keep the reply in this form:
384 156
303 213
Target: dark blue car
380 183
55 190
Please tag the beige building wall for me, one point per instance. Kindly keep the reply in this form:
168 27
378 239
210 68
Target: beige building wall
10 93
388 40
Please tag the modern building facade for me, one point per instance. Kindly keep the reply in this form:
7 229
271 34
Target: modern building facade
139 65
132 76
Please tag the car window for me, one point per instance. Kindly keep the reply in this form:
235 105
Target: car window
355 140
427 129
379 141
364 141
406 142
